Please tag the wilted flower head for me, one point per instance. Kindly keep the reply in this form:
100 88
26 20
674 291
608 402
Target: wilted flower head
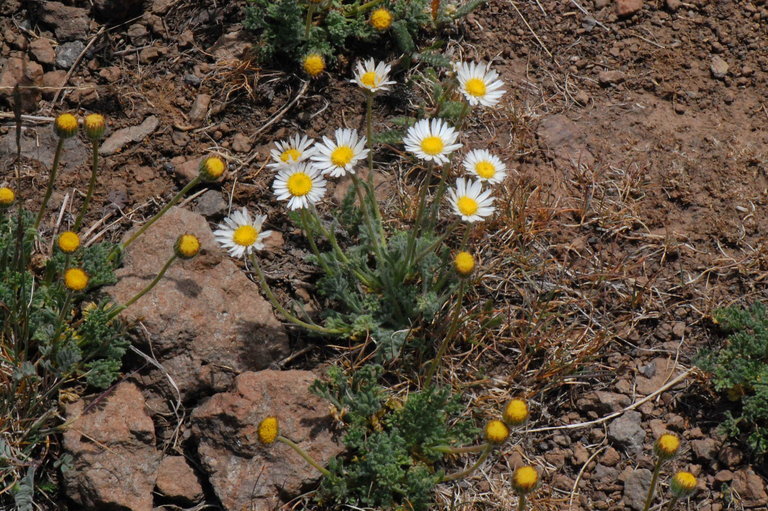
95 125
268 430
464 262
211 168
516 412
496 432
683 484
525 479
666 446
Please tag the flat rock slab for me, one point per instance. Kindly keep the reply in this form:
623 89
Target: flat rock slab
122 137
207 321
113 448
244 473
660 371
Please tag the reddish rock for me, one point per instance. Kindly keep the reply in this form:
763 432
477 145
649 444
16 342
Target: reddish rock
750 487
52 82
207 320
199 110
628 7
68 23
42 49
177 480
28 74
665 369
113 449
117 10
244 473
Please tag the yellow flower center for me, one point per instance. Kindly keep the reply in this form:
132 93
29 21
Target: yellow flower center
314 64
467 205
464 263
475 87
75 279
69 242
342 155
381 19
485 169
299 184
245 235
6 196
432 145
516 412
496 432
524 479
291 154
667 445
369 79
268 430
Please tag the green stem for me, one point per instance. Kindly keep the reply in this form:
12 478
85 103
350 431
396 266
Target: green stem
311 238
521 502
301 452
51 179
91 184
369 136
308 24
672 503
144 291
431 248
367 5
465 473
449 335
449 449
652 488
290 317
155 218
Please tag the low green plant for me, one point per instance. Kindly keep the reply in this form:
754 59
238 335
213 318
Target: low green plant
293 29
394 445
740 370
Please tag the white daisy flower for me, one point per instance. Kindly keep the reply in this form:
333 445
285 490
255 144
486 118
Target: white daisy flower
372 76
479 84
240 234
300 184
431 140
469 200
339 157
293 150
485 166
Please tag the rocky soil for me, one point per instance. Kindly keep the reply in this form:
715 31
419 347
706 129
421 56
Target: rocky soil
636 133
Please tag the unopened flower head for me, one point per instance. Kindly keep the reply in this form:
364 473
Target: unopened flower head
75 279
372 76
496 432
525 479
666 446
338 157
479 84
293 150
464 262
268 430
431 140
211 168
68 242
484 166
300 185
241 234
516 412
7 197
95 125
469 201
381 19
313 64
65 126
683 484
187 246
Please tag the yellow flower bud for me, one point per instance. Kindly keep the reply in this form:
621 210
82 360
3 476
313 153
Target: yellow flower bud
381 19
95 126
7 197
525 479
269 428
496 432
464 262
516 412
187 246
683 484
211 168
313 64
68 242
666 446
65 126
76 279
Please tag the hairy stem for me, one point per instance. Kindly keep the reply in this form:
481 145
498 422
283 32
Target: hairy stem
51 179
301 452
91 184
